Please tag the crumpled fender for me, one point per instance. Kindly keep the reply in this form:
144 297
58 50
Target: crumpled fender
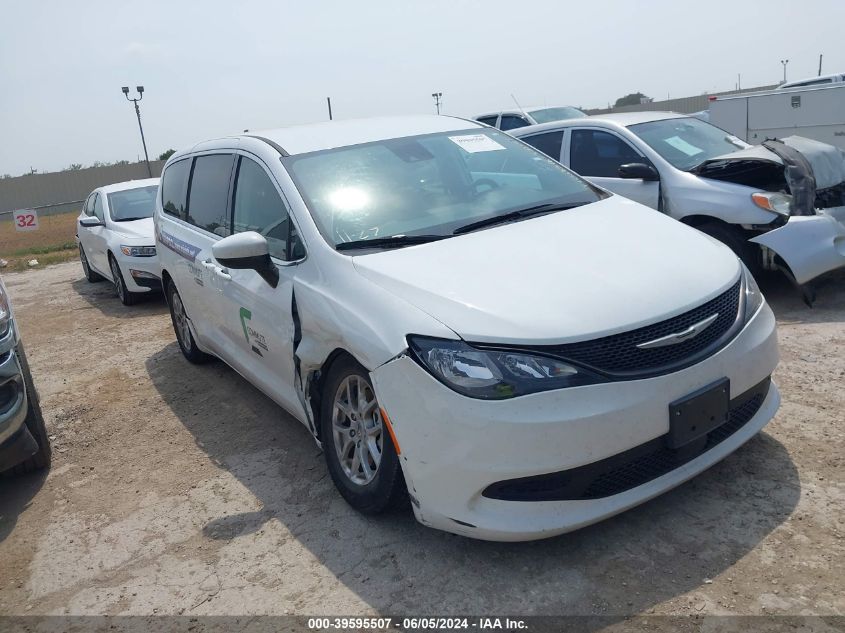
811 245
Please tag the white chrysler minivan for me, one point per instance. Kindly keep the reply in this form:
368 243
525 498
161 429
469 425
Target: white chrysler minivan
461 321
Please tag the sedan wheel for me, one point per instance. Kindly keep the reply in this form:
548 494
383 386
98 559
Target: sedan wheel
126 297
90 275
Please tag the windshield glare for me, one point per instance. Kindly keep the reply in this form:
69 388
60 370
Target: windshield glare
686 142
132 204
547 115
428 185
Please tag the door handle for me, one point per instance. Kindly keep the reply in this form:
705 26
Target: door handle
223 273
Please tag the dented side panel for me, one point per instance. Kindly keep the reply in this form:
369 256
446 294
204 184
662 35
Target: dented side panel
811 245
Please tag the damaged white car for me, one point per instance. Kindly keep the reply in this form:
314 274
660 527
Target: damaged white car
462 321
778 206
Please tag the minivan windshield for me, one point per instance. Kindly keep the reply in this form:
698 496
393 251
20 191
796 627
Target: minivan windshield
686 142
132 204
430 185
547 115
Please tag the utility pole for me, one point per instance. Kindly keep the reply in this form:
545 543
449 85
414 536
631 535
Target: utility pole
437 96
140 90
329 102
784 62
820 64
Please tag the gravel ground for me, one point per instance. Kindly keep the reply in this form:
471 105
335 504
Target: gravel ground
178 489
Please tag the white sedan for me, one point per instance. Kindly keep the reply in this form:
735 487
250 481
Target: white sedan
115 238
461 321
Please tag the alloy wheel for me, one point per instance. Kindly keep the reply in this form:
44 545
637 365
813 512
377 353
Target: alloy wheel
118 280
357 429
180 320
85 268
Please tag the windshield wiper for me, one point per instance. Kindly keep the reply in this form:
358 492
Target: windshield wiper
131 219
395 241
513 216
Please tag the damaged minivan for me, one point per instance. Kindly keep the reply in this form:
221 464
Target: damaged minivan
779 206
465 326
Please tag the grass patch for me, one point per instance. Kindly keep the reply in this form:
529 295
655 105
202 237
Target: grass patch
52 243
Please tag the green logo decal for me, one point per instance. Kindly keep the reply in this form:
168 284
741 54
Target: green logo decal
245 316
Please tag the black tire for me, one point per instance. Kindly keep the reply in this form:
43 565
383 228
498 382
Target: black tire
387 488
90 275
34 422
737 241
127 297
189 345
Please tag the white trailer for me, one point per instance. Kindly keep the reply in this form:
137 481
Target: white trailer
816 112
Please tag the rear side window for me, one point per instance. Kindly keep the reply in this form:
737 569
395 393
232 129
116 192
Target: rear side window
174 189
511 122
88 209
488 120
258 207
548 143
209 191
98 208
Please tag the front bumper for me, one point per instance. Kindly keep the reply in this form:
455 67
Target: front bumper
811 245
454 447
146 276
16 442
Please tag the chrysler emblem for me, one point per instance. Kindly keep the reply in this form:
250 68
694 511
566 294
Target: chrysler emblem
679 337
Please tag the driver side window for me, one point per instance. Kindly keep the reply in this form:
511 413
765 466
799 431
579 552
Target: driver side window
258 207
98 208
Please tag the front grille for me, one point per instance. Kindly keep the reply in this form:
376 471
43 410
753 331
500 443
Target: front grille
630 469
619 354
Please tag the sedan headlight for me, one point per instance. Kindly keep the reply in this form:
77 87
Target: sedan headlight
753 296
779 203
494 374
138 251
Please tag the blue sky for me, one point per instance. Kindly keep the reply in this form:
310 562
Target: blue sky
213 68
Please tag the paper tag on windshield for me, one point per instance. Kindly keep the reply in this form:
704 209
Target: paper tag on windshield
473 143
682 146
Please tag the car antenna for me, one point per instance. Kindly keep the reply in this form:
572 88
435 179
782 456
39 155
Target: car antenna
518 106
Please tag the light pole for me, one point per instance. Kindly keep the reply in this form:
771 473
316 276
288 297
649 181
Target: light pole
437 96
784 62
140 90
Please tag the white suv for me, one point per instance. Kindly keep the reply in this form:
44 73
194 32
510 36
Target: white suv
459 319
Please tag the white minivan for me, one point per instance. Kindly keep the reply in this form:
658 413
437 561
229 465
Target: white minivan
462 322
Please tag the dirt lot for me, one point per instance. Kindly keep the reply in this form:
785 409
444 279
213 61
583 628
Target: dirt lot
182 490
52 242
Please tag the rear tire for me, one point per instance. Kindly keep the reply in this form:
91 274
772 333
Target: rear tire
735 239
90 275
126 296
34 422
358 448
179 318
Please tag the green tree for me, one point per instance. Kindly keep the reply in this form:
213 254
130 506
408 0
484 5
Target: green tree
167 154
635 98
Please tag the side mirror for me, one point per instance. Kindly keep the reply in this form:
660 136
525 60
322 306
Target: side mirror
638 170
91 221
247 251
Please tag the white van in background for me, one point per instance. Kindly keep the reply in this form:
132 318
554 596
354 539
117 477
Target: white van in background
816 112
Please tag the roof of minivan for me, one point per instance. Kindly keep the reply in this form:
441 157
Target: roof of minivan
314 137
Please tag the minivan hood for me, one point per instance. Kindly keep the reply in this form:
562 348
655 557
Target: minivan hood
143 229
595 270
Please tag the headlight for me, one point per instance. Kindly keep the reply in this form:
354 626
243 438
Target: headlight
779 203
494 374
753 296
5 313
138 251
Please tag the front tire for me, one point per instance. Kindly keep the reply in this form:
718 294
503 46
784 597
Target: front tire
734 239
126 297
179 318
359 452
34 422
90 275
